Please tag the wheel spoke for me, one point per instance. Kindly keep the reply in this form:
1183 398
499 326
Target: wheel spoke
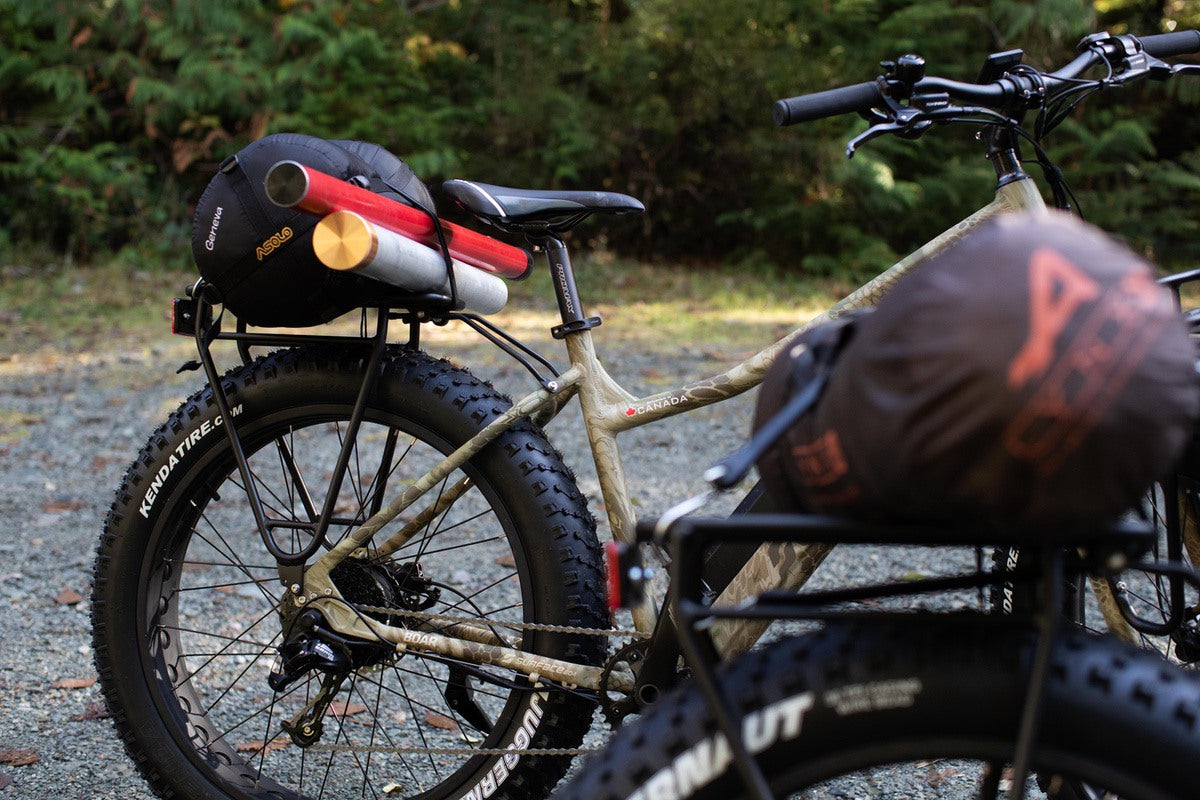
379 728
227 688
418 542
246 720
237 640
229 554
413 711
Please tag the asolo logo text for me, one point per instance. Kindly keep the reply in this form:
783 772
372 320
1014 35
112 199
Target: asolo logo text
272 244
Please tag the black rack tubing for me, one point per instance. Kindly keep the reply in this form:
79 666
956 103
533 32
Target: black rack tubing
203 339
348 444
825 529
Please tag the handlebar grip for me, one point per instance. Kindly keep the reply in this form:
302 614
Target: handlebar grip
830 103
1164 45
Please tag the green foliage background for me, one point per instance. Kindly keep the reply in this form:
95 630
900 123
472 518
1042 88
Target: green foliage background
114 114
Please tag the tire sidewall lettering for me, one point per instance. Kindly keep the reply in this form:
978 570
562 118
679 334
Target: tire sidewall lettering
709 758
187 445
498 772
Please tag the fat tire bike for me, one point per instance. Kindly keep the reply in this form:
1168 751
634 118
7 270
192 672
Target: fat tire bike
347 568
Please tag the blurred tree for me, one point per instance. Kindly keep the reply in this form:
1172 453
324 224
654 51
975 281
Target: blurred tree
114 113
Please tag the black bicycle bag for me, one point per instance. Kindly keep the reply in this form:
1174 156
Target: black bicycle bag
259 257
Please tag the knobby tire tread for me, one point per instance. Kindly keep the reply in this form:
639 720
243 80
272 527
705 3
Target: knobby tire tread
566 719
1108 707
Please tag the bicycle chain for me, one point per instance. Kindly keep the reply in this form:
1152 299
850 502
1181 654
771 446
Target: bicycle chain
425 616
456 751
488 751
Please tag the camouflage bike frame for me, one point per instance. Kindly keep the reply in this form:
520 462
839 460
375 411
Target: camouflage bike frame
608 409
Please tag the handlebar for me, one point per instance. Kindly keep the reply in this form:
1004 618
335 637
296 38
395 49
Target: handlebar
831 103
1165 45
862 97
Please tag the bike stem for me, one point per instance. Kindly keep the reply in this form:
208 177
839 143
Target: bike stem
1005 155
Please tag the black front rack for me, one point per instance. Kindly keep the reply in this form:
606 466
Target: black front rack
688 540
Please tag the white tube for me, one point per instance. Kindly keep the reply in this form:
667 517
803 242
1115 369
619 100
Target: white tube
347 242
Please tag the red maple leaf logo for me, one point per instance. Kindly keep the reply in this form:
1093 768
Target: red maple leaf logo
629 412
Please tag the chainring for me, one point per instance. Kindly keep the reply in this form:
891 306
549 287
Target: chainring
616 707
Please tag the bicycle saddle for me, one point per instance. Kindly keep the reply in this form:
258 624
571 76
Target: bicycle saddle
530 210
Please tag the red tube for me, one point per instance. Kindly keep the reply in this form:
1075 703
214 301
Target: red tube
293 185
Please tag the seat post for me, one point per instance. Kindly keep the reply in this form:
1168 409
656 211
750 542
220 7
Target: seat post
569 305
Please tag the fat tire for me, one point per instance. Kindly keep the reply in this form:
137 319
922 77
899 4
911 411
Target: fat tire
873 695
1019 598
556 533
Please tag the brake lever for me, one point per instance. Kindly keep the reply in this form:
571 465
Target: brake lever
1185 69
873 132
909 130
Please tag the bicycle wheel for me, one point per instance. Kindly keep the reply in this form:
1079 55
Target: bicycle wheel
1148 595
186 598
880 712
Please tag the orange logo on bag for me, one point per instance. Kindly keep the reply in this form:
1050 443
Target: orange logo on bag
822 462
272 244
1078 382
1056 289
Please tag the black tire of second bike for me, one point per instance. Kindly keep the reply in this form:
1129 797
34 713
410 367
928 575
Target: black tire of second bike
846 699
1147 594
533 497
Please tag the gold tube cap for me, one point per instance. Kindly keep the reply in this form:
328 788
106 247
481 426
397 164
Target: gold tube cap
345 241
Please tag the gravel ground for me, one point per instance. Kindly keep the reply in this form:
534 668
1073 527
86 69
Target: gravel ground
69 425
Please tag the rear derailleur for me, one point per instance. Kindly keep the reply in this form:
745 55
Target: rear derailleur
312 645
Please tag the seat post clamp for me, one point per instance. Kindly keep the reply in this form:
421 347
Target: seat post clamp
575 326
